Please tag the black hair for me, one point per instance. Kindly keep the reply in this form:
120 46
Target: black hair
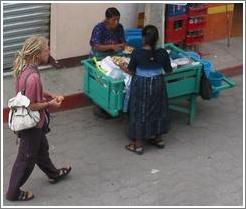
150 35
112 12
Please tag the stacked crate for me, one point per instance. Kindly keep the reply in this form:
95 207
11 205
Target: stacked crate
176 23
133 37
196 22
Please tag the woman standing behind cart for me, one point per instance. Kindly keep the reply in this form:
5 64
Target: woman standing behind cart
148 104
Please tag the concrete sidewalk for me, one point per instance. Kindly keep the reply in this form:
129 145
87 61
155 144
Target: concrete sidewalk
201 164
223 56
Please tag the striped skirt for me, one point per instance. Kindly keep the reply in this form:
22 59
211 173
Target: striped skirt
148 108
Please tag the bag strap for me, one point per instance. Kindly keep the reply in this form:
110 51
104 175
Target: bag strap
23 91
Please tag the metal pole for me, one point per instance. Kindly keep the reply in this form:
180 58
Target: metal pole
228 27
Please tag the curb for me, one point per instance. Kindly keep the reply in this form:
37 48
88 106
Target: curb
232 71
81 100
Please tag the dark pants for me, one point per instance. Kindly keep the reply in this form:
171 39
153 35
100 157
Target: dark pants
33 149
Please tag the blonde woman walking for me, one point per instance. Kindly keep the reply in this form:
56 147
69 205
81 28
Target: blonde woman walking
33 147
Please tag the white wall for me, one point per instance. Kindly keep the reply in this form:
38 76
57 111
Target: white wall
155 15
72 24
128 14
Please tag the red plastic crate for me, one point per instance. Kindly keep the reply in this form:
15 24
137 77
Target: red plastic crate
175 37
191 40
176 28
196 26
196 11
170 22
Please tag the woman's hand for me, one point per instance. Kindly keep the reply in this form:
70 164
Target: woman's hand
49 96
117 47
59 98
54 103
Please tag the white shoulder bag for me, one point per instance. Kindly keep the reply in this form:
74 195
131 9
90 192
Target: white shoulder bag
21 117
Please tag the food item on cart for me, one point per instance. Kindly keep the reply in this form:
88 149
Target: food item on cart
127 59
117 60
182 61
121 60
128 50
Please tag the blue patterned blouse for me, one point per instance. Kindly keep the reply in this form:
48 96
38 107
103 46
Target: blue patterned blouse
102 35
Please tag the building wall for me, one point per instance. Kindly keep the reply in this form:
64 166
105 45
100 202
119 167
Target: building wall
72 24
219 21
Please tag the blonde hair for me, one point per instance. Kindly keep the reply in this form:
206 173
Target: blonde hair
32 47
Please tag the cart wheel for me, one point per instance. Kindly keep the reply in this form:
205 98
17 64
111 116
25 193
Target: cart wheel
100 113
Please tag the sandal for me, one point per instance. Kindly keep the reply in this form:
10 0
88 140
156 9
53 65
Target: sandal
157 142
133 148
62 173
24 196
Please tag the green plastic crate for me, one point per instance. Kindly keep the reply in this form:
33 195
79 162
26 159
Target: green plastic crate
103 90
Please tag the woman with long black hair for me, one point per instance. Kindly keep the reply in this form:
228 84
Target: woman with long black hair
148 104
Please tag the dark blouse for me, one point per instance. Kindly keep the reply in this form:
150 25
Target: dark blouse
143 59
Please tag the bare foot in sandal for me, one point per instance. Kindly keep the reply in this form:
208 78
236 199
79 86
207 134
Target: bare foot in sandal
158 142
23 196
134 148
63 172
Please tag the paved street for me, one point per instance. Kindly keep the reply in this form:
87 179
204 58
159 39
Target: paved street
201 164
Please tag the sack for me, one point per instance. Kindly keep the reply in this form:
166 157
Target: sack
205 87
20 116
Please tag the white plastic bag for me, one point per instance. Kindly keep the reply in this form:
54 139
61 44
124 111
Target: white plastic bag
112 70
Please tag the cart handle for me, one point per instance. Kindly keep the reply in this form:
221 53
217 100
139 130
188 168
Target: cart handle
229 83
